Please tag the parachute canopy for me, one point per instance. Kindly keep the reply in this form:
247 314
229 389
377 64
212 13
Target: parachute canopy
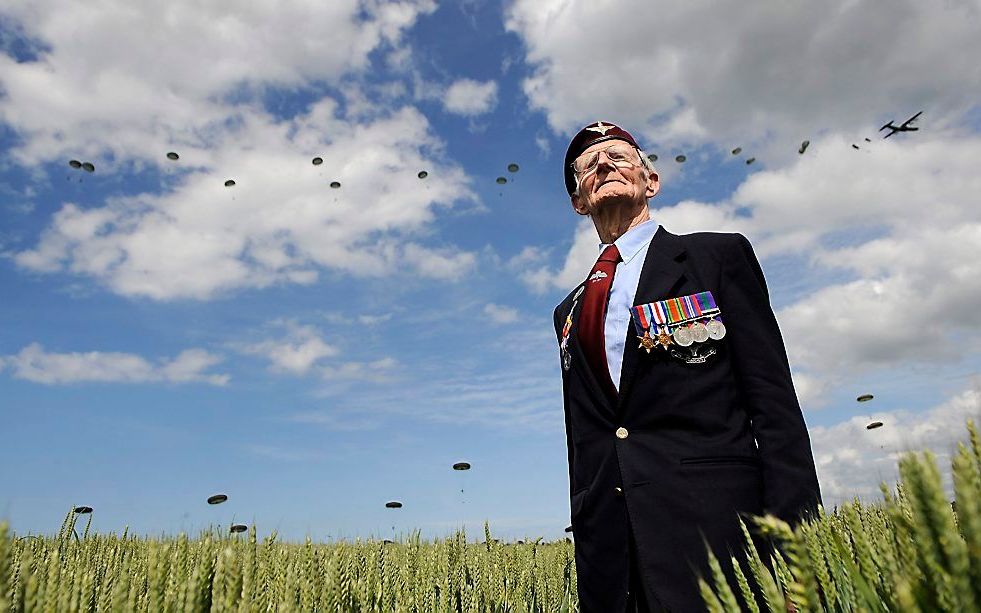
803 146
230 183
318 161
74 163
680 159
461 466
83 510
422 174
750 161
217 499
652 157
512 167
88 166
394 504
874 425
865 397
172 155
737 150
502 180
238 528
335 184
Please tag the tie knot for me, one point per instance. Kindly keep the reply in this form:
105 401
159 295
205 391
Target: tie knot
610 254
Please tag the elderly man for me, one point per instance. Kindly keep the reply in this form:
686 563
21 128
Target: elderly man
680 411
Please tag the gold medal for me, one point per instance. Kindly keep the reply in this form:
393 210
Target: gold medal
664 339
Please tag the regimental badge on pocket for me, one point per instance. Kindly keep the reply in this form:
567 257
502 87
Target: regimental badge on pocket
687 327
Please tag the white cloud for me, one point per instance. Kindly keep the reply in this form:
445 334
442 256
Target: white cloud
910 309
852 461
438 263
544 146
296 353
35 364
742 74
811 391
527 256
121 84
377 370
301 350
469 97
374 320
129 76
578 262
280 223
501 314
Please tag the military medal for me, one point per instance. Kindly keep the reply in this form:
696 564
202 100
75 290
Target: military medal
699 332
682 336
567 330
564 345
664 339
566 359
646 342
716 329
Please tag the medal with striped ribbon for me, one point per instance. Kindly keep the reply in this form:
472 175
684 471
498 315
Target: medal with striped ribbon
681 321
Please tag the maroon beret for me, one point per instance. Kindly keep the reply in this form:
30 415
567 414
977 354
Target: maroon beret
586 138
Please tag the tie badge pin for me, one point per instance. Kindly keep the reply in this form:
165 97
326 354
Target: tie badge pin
596 276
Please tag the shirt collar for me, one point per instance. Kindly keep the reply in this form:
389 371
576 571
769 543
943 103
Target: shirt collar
630 244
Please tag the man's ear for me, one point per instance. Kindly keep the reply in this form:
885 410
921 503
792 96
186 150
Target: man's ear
578 204
653 185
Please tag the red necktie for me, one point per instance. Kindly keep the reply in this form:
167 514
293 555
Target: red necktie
592 319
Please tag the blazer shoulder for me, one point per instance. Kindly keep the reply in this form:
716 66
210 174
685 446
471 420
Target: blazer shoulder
716 245
566 303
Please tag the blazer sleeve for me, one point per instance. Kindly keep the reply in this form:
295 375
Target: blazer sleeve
790 485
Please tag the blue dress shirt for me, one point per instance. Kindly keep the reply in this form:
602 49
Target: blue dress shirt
633 249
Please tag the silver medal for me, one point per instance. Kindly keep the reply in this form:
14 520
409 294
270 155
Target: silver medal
699 332
682 336
716 329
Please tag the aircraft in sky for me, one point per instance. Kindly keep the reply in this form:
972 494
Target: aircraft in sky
905 127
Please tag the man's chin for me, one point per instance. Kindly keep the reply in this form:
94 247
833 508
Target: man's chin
611 200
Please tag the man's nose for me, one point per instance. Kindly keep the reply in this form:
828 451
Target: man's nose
603 160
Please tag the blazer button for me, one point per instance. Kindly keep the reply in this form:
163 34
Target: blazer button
622 433
618 491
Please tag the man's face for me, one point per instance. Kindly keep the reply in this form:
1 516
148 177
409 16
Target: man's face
612 181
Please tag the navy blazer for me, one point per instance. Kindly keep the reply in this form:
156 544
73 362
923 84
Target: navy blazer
704 442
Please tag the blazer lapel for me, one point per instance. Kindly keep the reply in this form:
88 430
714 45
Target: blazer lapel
580 365
663 273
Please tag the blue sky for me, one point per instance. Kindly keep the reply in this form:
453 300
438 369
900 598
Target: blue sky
314 352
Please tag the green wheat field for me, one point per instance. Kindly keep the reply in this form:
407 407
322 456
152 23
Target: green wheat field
915 551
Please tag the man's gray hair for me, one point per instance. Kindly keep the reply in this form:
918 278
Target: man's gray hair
644 161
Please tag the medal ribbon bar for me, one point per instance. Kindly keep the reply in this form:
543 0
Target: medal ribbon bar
674 312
